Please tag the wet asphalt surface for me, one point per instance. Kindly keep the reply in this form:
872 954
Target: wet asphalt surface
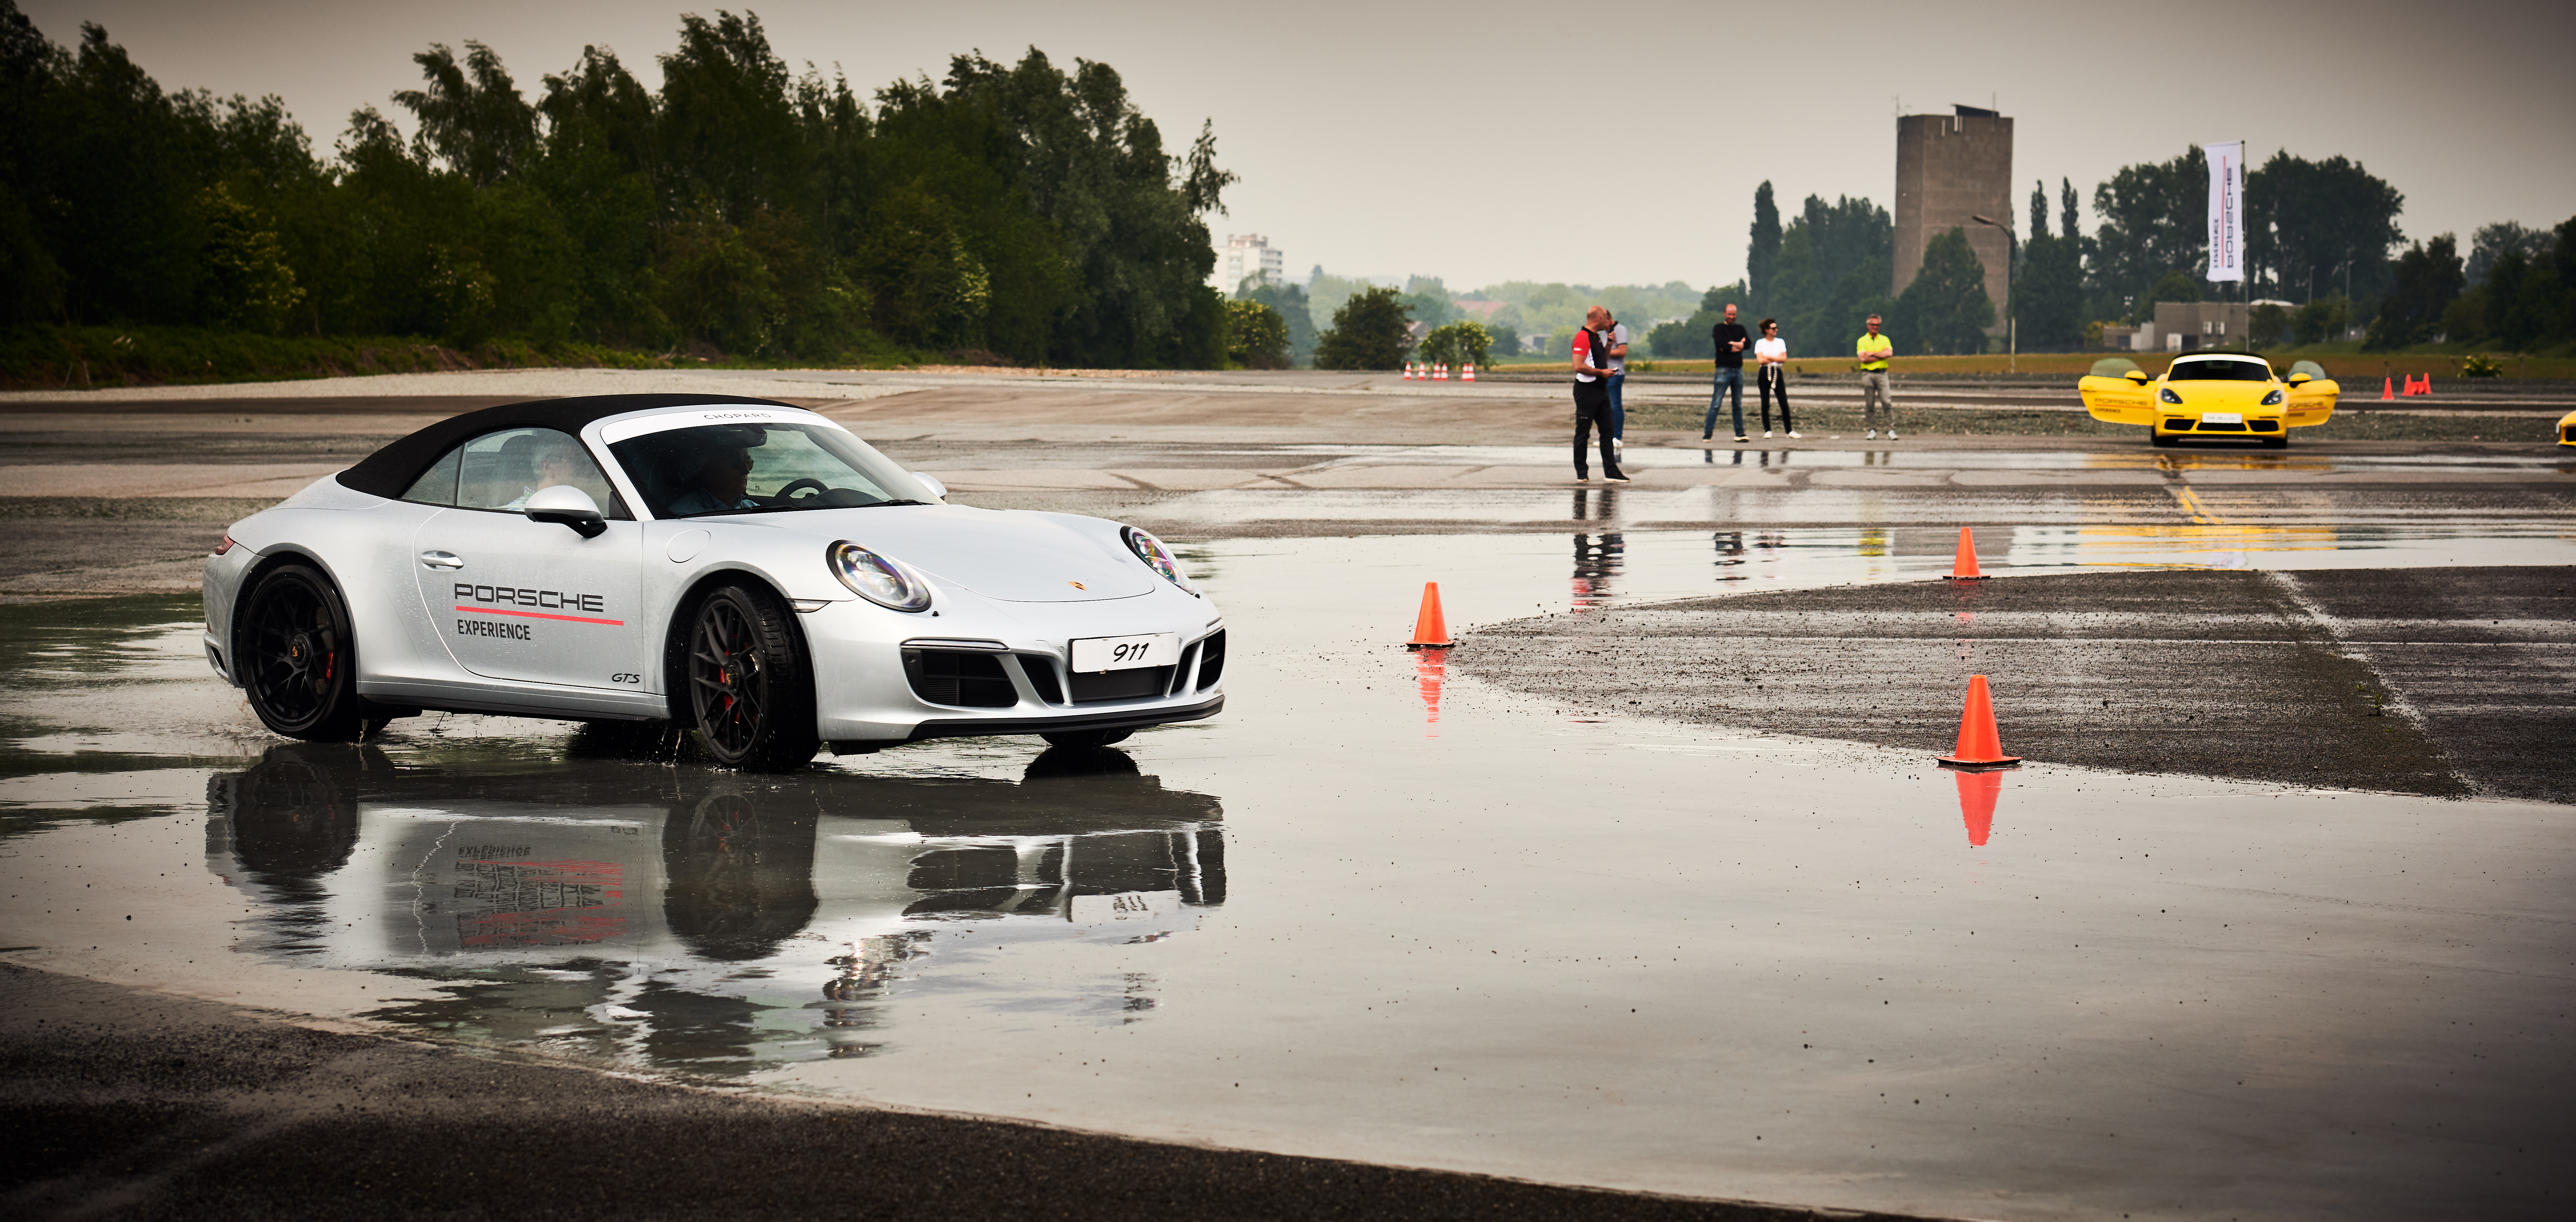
1467 911
124 1104
2445 682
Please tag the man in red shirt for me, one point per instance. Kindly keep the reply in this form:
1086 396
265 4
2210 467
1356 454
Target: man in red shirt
1592 372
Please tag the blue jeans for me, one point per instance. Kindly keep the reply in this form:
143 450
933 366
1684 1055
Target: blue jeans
1618 410
1725 378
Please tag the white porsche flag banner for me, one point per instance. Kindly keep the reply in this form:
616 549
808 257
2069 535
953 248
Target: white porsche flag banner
2227 210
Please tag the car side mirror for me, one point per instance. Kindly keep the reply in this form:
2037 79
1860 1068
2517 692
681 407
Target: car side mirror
931 482
568 506
2299 379
2138 377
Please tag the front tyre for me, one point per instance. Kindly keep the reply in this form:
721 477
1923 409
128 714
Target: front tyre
2276 443
2162 441
298 657
1086 740
749 682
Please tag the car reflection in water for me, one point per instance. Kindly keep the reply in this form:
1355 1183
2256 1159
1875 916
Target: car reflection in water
682 919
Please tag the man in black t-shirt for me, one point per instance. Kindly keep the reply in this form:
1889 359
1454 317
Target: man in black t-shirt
1731 341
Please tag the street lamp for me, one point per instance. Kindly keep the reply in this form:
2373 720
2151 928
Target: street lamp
2012 330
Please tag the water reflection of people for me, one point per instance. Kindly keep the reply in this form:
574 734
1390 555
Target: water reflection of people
1596 563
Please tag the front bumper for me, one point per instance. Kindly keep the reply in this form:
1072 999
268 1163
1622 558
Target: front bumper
2254 424
882 679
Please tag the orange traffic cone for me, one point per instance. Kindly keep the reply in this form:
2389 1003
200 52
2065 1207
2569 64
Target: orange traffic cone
1471 372
1964 566
1980 745
1977 794
1408 371
1430 631
2388 388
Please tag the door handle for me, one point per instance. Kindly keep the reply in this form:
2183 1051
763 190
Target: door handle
440 560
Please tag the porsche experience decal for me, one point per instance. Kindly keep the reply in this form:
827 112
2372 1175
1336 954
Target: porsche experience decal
530 604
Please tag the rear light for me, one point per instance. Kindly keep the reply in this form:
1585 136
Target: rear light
225 546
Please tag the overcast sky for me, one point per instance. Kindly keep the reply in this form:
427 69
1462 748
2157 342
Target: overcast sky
1594 144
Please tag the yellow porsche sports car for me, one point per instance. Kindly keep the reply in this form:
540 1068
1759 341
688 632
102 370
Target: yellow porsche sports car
2567 430
2229 396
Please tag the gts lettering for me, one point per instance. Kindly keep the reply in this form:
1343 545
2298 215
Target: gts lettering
549 600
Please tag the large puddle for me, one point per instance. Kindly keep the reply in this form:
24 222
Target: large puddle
1381 912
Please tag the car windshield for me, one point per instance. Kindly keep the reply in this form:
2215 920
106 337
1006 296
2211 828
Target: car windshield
2219 371
760 468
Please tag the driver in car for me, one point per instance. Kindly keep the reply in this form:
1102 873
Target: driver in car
721 483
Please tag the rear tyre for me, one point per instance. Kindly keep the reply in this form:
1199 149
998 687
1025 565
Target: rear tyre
298 658
1086 739
749 682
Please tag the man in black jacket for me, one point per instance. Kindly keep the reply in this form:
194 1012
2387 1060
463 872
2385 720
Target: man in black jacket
1731 343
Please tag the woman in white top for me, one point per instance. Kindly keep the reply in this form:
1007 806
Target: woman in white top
1771 355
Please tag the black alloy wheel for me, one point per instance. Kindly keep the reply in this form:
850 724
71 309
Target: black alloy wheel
298 658
1086 739
749 684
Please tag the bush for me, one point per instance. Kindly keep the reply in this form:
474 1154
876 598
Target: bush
1368 332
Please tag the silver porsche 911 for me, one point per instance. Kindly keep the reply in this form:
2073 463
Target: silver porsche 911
746 568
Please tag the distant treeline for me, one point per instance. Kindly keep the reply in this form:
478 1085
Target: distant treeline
2321 235
741 210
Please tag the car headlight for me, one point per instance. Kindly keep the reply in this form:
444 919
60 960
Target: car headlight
2168 395
1158 558
876 578
2273 399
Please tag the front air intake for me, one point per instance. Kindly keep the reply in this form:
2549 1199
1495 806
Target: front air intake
1212 660
959 677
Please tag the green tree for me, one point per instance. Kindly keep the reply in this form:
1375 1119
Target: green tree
248 285
1762 254
1458 343
2175 286
2305 221
477 123
1835 265
1290 301
2270 325
2154 223
2321 321
2429 277
1368 332
2048 295
1946 309
1256 336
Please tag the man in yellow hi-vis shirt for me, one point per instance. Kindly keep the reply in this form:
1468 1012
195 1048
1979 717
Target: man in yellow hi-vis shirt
1873 350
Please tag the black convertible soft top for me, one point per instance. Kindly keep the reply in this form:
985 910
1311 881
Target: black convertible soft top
389 472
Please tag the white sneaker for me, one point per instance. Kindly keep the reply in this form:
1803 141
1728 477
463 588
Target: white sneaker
1766 434
1795 433
1873 435
1891 434
1618 445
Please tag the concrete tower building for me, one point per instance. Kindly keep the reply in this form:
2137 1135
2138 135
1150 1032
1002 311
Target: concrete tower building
1950 168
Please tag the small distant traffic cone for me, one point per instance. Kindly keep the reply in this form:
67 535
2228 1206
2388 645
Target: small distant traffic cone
1980 744
1430 631
1471 373
1439 371
2388 388
1963 567
1408 371
1977 794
